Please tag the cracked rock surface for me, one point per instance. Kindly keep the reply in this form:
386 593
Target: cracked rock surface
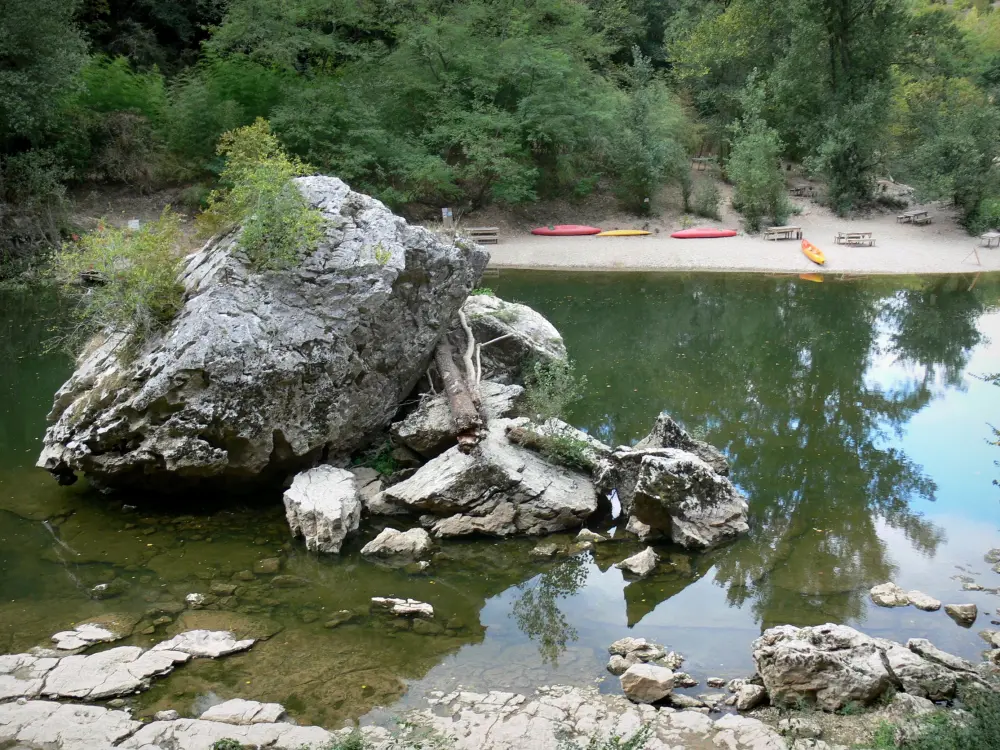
262 373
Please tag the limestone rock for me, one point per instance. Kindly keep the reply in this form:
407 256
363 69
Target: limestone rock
905 706
617 665
929 651
920 677
682 679
749 696
992 637
829 665
206 644
264 372
499 489
678 493
545 550
529 335
644 531
963 614
198 735
369 484
83 635
666 433
168 715
647 683
889 595
715 682
586 535
115 672
324 507
404 546
23 675
429 429
66 727
531 434
403 607
920 600
244 712
682 701
641 564
638 649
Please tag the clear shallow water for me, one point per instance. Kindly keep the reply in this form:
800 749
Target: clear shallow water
851 413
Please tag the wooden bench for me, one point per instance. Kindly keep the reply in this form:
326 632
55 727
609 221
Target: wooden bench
783 233
989 238
484 235
921 220
800 191
856 239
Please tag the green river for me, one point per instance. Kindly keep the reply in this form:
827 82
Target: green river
854 414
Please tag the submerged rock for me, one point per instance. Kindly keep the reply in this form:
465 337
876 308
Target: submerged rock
85 634
920 600
529 336
262 373
323 506
499 489
404 546
206 644
430 430
964 614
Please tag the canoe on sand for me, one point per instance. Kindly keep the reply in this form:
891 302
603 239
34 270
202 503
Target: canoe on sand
813 253
624 233
698 233
566 230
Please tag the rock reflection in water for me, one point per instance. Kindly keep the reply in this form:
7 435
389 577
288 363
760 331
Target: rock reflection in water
779 374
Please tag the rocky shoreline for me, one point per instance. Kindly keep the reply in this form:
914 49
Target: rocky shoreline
826 668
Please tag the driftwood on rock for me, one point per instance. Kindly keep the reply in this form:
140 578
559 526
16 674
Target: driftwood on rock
464 410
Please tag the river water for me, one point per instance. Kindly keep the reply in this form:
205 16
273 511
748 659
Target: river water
854 414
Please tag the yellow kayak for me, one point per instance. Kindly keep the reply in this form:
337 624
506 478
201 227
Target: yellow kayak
624 233
813 253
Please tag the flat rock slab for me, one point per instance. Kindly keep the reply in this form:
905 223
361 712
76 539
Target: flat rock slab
84 635
205 644
62 726
244 713
23 675
392 544
117 671
403 607
889 595
196 734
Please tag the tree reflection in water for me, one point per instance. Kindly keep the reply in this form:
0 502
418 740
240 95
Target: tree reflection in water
782 374
536 611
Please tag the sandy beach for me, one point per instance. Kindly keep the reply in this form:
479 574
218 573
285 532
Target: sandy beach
941 247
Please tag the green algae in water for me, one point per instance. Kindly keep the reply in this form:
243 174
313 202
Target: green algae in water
849 411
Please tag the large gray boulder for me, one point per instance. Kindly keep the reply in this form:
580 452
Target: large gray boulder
430 430
263 373
666 433
498 489
834 665
526 335
681 495
323 506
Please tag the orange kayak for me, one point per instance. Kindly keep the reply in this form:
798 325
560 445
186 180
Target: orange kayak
817 277
813 253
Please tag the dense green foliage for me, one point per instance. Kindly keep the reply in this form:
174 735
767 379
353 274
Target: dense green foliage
425 103
978 728
550 387
125 280
276 223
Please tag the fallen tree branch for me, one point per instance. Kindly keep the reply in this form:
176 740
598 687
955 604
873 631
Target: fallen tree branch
464 412
479 359
470 346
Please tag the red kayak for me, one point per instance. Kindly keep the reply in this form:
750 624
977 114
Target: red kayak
565 230
702 233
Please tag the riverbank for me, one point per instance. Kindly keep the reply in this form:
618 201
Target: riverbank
941 247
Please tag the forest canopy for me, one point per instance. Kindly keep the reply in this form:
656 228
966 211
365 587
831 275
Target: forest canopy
425 103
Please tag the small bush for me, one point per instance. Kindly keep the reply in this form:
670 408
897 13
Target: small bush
277 223
987 216
378 458
134 279
33 207
483 290
353 741
550 387
637 741
979 729
564 450
706 200
227 743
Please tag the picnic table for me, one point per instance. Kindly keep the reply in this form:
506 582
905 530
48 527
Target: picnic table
485 235
783 233
917 216
989 238
858 239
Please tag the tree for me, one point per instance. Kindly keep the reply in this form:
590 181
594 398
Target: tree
754 166
648 148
